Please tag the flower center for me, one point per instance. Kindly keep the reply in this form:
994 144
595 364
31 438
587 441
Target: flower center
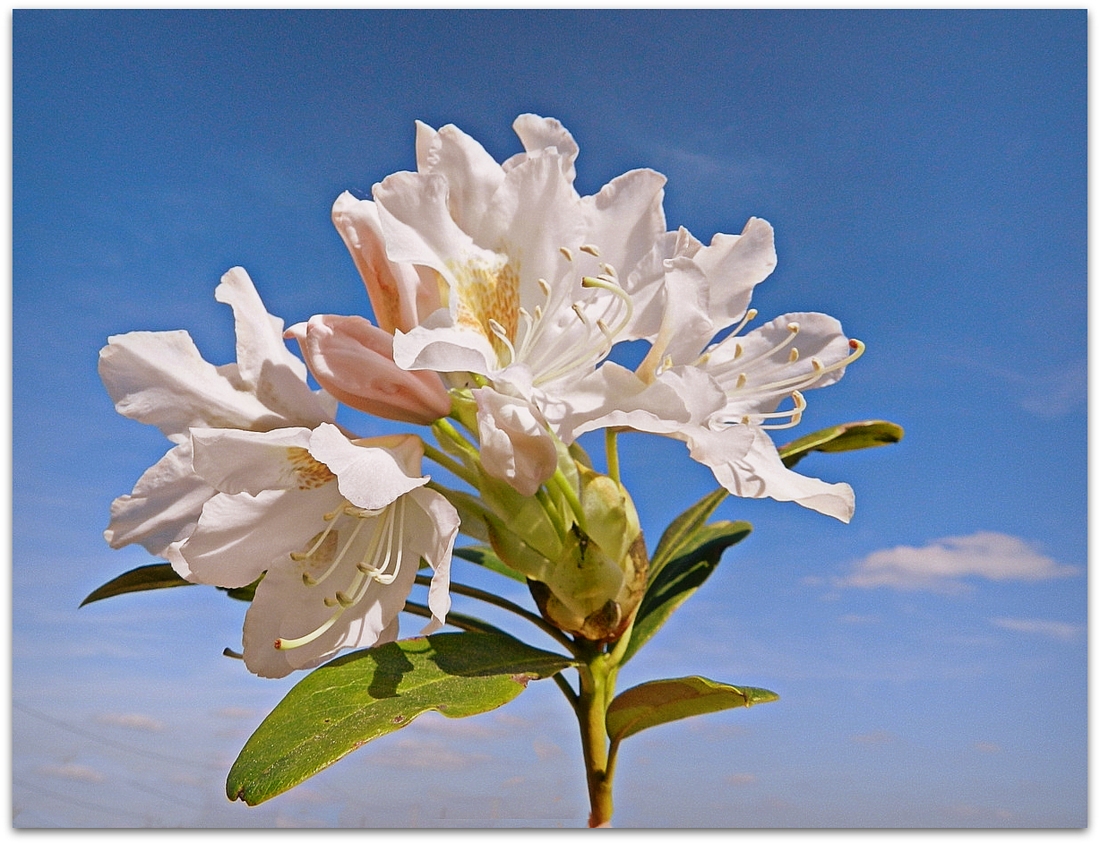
369 542
487 296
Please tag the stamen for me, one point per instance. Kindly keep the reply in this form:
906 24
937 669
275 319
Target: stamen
591 250
794 413
793 356
502 335
568 255
608 269
387 536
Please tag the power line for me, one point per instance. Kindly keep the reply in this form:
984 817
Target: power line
106 741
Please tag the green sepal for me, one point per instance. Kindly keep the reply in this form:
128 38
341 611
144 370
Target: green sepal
699 554
141 579
359 697
848 437
663 701
486 557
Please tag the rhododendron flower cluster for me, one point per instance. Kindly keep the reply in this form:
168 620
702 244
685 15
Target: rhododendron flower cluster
499 297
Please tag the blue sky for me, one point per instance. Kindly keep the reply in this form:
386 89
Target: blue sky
925 173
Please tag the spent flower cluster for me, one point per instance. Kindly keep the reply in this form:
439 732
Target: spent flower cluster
498 295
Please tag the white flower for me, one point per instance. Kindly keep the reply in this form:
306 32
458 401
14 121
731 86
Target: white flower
339 527
159 378
722 399
531 275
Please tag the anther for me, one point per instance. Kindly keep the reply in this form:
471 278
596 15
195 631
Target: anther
591 250
793 356
568 255
343 600
544 286
306 579
608 269
742 379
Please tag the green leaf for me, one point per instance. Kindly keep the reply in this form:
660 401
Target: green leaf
242 593
679 532
483 555
848 437
662 701
678 579
141 579
356 698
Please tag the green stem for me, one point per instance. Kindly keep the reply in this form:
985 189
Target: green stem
505 604
597 688
450 464
611 444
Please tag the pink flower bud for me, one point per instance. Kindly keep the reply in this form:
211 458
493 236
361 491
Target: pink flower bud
353 360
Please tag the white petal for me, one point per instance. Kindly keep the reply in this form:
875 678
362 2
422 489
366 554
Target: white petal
626 217
439 345
368 477
473 176
238 537
159 378
615 397
535 213
163 507
515 444
746 462
432 536
264 363
734 265
235 461
544 133
417 224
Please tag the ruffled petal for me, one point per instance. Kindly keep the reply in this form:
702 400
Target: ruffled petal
432 534
159 378
265 365
516 446
745 461
250 462
370 478
397 295
473 175
353 361
440 345
626 217
545 133
238 537
615 397
164 506
734 265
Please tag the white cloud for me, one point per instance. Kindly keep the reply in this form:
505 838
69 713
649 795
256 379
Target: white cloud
81 773
942 565
1054 629
132 721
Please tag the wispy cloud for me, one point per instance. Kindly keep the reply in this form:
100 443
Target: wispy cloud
81 773
1053 629
942 565
1049 393
132 721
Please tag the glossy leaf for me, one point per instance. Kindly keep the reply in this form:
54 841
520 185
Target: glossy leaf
358 697
700 552
663 701
141 579
485 556
679 532
848 437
